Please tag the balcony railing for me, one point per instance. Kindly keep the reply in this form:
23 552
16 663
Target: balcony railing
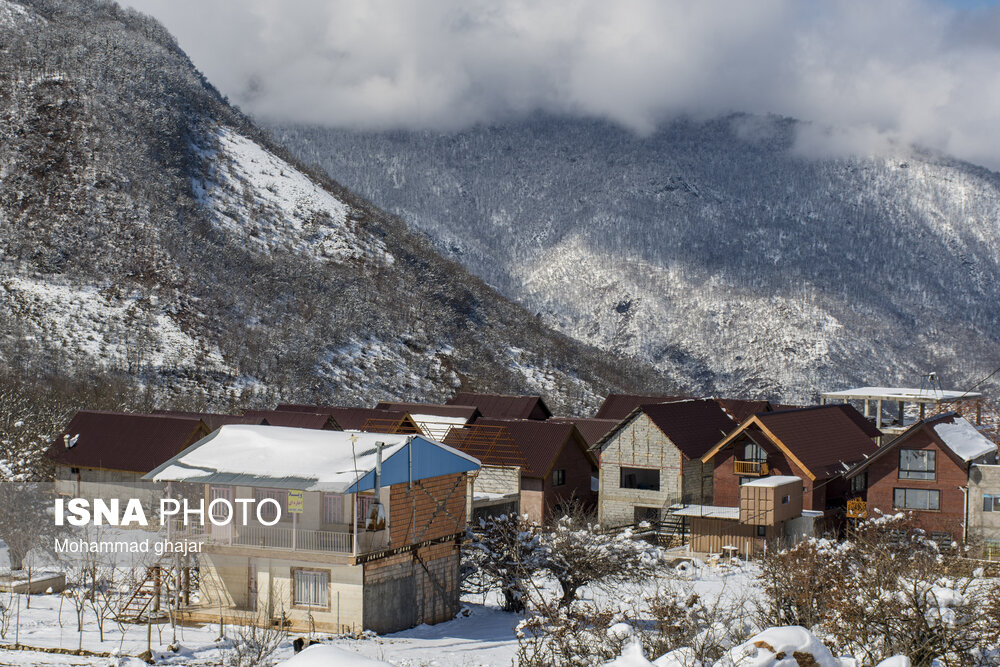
750 468
266 537
857 508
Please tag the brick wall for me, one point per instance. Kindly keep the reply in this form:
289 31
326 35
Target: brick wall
579 470
883 479
726 487
433 508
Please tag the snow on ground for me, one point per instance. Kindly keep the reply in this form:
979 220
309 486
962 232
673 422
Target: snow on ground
271 205
480 636
113 330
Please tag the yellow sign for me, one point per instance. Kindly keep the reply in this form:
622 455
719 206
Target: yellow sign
295 502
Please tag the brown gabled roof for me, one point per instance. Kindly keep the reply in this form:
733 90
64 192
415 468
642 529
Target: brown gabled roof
590 428
295 419
822 439
124 441
693 425
863 422
504 406
360 419
741 409
540 442
212 420
620 406
467 412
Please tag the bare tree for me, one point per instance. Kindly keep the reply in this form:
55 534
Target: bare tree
506 550
255 640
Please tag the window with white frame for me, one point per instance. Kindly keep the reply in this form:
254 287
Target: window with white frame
268 512
333 508
991 502
312 588
916 499
917 463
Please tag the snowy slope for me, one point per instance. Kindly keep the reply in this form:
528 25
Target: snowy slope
716 250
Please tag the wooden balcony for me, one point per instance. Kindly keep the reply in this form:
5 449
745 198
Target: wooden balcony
857 508
750 468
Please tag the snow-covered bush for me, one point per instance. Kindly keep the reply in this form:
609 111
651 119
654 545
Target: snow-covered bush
502 555
255 641
579 553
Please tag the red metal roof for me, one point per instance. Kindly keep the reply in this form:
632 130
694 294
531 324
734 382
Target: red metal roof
352 419
590 428
620 406
694 426
124 441
540 442
823 438
294 419
212 420
504 406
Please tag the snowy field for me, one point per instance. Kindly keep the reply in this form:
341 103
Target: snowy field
480 636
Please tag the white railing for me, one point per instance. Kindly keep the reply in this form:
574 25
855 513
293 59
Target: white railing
266 537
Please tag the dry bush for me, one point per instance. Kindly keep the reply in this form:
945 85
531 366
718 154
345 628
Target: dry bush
255 640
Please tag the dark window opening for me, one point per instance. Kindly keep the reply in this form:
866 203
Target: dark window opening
785 500
640 478
859 483
647 514
761 531
558 477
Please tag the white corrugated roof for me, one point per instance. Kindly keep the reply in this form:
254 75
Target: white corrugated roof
903 394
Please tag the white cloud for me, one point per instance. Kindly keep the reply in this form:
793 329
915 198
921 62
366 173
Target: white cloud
881 73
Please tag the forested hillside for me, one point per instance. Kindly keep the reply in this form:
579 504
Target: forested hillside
715 250
156 248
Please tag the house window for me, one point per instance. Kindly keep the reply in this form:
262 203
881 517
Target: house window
646 514
558 477
785 500
333 508
640 478
312 588
991 503
754 452
916 499
916 464
761 531
268 512
74 471
859 483
364 508
747 480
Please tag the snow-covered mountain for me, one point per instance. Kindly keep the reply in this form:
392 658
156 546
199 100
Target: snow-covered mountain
717 250
149 230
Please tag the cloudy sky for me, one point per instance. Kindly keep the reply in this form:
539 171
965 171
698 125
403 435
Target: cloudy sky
867 74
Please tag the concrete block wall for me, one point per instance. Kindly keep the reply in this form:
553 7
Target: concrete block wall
408 589
639 444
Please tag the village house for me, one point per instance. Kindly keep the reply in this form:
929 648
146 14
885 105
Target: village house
651 460
105 454
928 470
818 444
620 406
367 529
590 428
556 470
504 406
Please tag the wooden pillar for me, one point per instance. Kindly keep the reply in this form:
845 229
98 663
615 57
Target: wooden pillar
868 408
923 409
979 412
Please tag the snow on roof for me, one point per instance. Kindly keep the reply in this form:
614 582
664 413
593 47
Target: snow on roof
437 426
300 458
709 511
963 439
773 480
904 394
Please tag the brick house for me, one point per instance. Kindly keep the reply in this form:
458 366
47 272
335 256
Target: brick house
925 470
817 444
652 459
365 534
556 467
